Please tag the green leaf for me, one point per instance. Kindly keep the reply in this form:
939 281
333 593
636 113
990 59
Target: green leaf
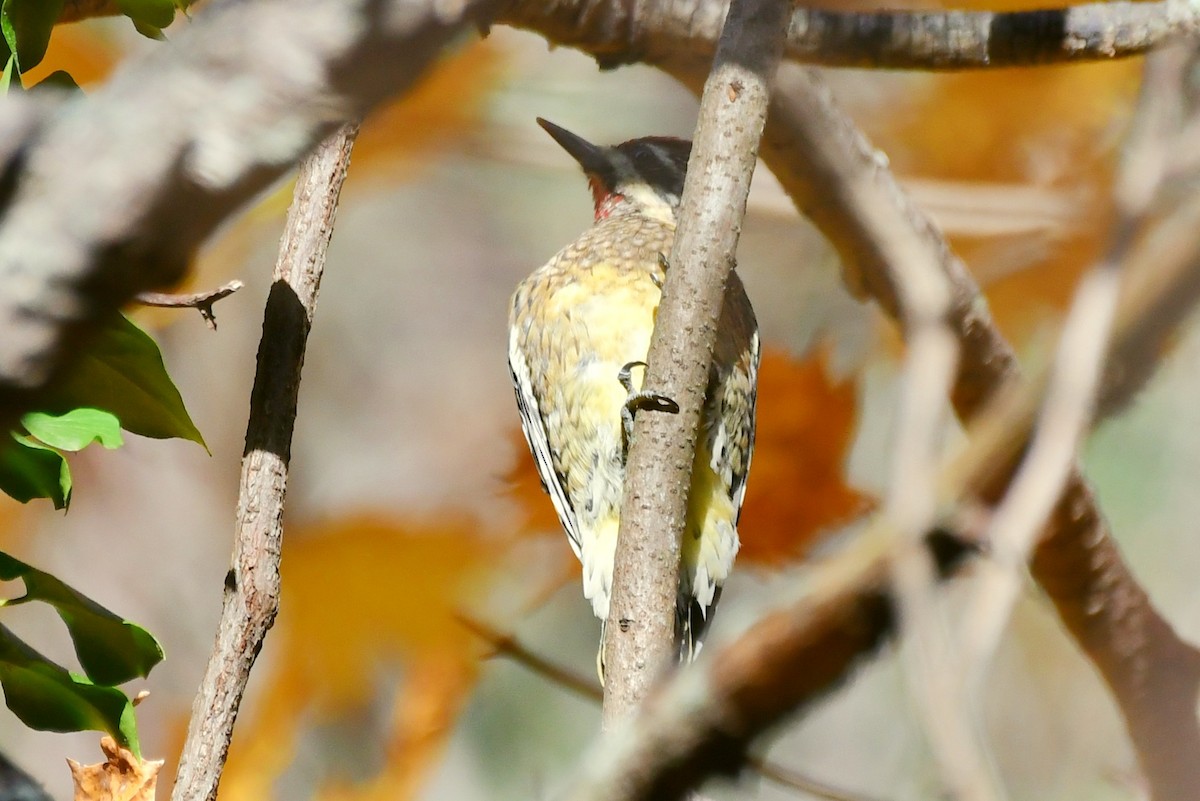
110 649
149 31
156 13
26 25
59 79
122 372
10 69
31 470
76 429
47 697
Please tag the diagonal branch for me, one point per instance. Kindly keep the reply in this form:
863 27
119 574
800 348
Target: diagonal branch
702 722
252 584
146 167
815 152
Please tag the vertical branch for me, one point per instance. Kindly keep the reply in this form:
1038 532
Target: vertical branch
252 583
911 510
640 635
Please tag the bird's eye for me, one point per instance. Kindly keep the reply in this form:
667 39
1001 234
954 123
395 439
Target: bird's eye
644 158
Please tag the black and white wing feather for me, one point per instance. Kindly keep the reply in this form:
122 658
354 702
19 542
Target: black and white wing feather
534 427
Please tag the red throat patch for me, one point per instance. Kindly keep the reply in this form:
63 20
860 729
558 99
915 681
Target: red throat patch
603 198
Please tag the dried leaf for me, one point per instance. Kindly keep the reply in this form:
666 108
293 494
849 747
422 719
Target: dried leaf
123 777
797 488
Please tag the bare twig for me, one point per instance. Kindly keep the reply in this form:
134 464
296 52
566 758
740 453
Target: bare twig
911 508
659 468
702 721
507 645
786 777
252 584
200 301
1150 670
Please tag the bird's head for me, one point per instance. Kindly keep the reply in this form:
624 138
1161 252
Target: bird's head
643 174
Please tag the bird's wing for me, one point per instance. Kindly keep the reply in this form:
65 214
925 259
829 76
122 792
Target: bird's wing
737 489
734 386
534 427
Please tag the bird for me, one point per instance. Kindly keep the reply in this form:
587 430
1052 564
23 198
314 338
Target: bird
579 332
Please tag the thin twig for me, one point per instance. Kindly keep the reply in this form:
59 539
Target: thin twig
659 467
508 646
934 679
200 301
786 777
252 583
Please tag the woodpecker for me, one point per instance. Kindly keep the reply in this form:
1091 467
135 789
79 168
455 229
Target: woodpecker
579 330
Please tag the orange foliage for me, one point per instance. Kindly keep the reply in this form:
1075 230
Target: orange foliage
79 49
797 488
359 596
1054 129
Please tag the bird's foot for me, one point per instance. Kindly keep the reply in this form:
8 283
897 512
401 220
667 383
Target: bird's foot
637 401
665 265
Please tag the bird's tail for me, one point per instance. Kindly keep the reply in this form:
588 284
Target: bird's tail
692 620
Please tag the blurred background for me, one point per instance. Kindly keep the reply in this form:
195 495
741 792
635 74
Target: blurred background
413 500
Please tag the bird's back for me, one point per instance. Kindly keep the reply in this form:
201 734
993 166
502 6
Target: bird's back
574 323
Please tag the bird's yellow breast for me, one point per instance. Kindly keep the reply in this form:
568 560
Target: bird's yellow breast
575 323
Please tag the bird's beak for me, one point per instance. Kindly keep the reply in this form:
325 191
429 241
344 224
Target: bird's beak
591 157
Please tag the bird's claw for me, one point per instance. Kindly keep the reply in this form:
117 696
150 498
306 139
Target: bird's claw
637 401
665 265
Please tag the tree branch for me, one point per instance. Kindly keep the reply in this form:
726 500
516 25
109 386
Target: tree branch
925 40
702 721
242 92
659 467
1138 654
1073 387
507 645
252 584
200 301
918 40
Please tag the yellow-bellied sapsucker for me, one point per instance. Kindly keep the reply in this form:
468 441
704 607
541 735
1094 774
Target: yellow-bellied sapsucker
578 327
